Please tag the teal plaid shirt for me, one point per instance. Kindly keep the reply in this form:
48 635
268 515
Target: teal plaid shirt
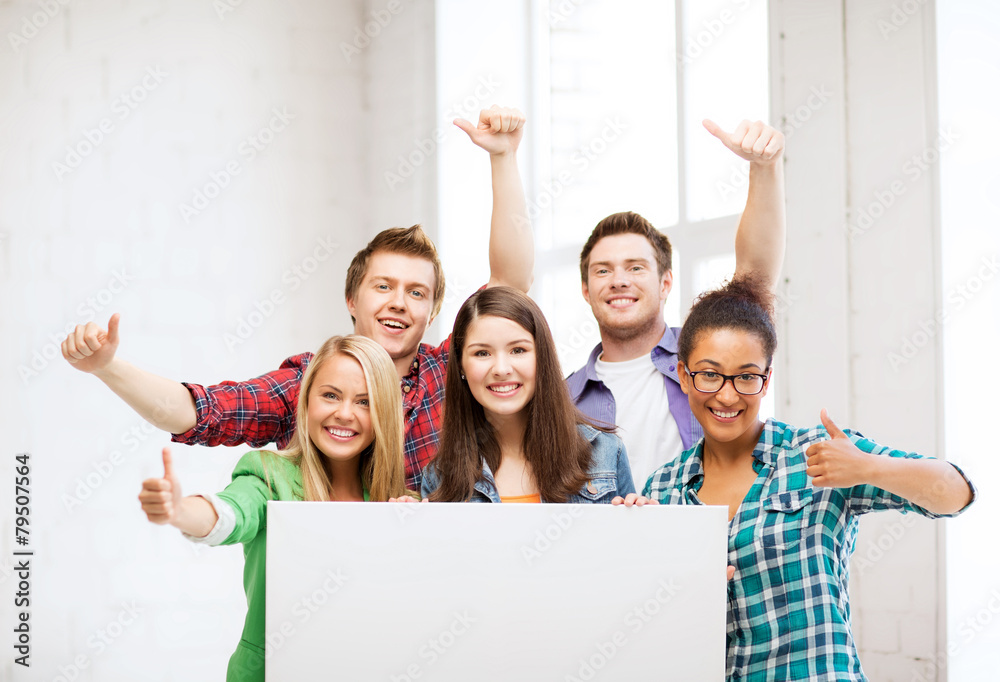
791 543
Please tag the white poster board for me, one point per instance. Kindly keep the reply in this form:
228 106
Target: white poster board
460 592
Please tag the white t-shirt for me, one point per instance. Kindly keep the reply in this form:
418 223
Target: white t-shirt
642 413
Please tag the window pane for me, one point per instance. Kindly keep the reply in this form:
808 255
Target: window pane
724 51
613 113
968 103
573 325
711 273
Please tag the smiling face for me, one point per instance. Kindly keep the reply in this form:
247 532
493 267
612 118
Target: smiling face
393 305
499 363
339 416
623 287
726 416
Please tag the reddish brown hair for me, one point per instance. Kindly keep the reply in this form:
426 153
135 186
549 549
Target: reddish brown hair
409 241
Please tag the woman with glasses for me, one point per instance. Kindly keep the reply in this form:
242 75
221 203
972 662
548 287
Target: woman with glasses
794 495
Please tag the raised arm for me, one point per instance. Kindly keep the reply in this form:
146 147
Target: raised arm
760 237
164 403
512 245
256 412
929 483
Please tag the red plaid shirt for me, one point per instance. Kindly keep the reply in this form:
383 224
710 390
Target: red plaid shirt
262 410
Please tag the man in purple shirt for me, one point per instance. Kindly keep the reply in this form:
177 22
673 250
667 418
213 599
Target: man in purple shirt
631 377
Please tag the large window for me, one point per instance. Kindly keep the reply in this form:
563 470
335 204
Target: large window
615 91
629 82
968 61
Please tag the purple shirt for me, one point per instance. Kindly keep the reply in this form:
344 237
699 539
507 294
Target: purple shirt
595 399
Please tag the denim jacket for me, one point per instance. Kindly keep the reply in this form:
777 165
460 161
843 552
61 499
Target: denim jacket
610 474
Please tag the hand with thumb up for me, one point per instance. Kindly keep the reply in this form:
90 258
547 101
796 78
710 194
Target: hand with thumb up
837 462
161 497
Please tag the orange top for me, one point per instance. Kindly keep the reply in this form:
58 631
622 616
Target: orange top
523 499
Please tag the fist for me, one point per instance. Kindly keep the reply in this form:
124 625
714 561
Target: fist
756 141
499 131
90 348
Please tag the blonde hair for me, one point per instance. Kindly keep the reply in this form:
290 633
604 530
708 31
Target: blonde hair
382 472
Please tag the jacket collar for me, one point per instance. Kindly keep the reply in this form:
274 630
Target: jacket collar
578 380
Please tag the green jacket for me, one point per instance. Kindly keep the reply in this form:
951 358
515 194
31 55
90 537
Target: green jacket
248 495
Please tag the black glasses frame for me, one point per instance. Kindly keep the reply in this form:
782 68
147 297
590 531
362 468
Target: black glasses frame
731 378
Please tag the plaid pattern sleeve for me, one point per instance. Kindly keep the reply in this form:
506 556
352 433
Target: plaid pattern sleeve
866 498
254 412
262 410
423 409
791 543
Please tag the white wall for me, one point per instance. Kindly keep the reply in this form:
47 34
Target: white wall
402 151
108 235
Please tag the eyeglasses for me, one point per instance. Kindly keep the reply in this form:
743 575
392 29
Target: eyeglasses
745 384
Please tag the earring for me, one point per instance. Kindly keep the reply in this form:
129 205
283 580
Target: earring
463 377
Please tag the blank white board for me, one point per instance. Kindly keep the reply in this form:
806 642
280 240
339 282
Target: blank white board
460 592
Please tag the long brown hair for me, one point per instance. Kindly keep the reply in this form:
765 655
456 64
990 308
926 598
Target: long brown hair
558 454
382 470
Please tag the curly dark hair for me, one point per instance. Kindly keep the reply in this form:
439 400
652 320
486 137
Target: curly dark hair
744 304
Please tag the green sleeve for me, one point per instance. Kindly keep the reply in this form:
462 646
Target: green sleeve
259 476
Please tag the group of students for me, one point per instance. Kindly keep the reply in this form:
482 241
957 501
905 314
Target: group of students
658 415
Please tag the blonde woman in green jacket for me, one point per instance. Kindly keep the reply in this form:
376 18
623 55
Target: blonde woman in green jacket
348 446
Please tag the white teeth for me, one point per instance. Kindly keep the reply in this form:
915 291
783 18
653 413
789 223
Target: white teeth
502 389
621 302
393 323
342 433
724 415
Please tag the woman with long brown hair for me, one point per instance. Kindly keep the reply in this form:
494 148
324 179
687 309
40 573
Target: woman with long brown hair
511 432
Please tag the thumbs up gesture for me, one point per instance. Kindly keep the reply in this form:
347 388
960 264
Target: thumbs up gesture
756 142
161 497
499 131
837 462
90 348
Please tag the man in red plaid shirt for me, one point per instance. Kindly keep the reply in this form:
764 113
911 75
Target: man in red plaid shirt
395 288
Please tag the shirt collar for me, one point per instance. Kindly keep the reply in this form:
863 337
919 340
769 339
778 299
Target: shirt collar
764 452
771 436
667 342
693 470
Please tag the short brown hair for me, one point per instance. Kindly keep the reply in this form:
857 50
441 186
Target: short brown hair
409 241
628 223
